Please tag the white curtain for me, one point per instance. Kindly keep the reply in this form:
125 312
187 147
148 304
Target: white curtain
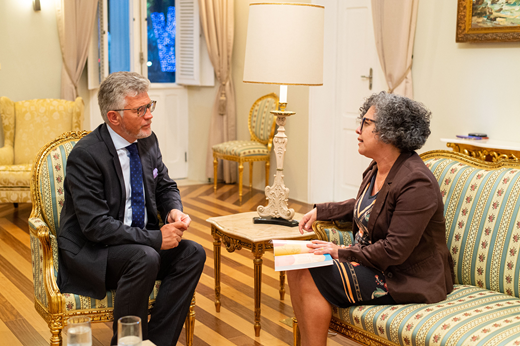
75 21
217 19
394 30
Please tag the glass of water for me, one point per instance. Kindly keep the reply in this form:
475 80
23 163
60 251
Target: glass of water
129 331
79 332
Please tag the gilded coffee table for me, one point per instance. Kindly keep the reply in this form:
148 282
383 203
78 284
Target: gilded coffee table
238 231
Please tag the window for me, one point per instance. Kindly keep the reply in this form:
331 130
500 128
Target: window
118 35
161 41
141 36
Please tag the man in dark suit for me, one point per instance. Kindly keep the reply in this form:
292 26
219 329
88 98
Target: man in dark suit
109 235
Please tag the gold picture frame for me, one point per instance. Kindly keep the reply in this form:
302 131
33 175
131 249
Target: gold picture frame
488 21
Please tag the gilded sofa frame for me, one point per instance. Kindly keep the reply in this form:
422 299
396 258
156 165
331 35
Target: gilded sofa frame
56 315
251 160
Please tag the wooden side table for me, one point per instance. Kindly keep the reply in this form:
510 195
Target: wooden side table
238 231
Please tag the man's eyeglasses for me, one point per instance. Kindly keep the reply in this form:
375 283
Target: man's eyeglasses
141 111
362 121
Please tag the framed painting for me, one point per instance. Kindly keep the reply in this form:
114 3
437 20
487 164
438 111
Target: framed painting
488 21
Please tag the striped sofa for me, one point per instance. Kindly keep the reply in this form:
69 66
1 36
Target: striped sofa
481 207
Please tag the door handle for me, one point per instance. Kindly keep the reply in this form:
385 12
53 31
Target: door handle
369 77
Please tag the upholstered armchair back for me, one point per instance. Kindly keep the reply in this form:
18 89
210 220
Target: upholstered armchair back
261 120
39 121
27 126
49 176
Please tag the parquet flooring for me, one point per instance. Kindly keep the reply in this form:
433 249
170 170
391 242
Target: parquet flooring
20 324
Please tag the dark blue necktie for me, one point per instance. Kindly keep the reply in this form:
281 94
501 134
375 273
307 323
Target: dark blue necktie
136 184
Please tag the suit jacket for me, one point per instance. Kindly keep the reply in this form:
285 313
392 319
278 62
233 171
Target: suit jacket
407 229
93 212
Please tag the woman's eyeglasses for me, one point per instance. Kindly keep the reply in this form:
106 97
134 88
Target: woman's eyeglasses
362 121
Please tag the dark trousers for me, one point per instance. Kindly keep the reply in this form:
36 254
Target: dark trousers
132 270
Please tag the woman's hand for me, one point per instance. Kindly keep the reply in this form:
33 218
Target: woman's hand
321 247
307 221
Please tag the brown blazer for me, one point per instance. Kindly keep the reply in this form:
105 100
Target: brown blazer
407 230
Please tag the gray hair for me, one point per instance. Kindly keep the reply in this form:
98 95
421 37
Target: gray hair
116 87
402 122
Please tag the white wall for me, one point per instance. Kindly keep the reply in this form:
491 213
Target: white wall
30 54
200 105
469 87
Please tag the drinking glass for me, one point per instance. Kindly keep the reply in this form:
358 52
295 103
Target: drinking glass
79 332
129 331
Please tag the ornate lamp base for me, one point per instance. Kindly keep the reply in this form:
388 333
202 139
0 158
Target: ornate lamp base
277 211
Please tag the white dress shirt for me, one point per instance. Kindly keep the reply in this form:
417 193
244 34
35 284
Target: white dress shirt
124 159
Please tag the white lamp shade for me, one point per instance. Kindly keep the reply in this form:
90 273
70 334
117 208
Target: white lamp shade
284 44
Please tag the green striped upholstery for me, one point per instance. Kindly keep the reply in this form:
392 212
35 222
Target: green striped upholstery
241 148
482 223
50 182
469 316
262 119
481 207
37 267
76 302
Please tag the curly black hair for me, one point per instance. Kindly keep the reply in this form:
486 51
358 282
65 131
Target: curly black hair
402 122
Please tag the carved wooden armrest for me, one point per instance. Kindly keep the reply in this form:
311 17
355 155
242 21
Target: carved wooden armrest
41 232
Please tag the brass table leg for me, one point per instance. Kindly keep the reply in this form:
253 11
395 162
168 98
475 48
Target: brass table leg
282 285
258 290
296 333
216 254
215 172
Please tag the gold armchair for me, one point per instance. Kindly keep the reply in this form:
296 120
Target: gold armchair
27 126
261 125
47 198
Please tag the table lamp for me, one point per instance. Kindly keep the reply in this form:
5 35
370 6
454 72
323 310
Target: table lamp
284 46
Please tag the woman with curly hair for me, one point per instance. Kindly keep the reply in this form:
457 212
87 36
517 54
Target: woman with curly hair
400 254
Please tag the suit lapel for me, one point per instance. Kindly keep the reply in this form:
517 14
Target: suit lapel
105 135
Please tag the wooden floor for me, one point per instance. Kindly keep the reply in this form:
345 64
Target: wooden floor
233 325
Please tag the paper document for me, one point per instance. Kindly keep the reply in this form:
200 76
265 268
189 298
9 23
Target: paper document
294 254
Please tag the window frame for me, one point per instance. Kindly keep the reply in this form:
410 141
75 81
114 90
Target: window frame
98 69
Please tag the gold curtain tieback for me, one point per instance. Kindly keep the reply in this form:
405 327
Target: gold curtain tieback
222 103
